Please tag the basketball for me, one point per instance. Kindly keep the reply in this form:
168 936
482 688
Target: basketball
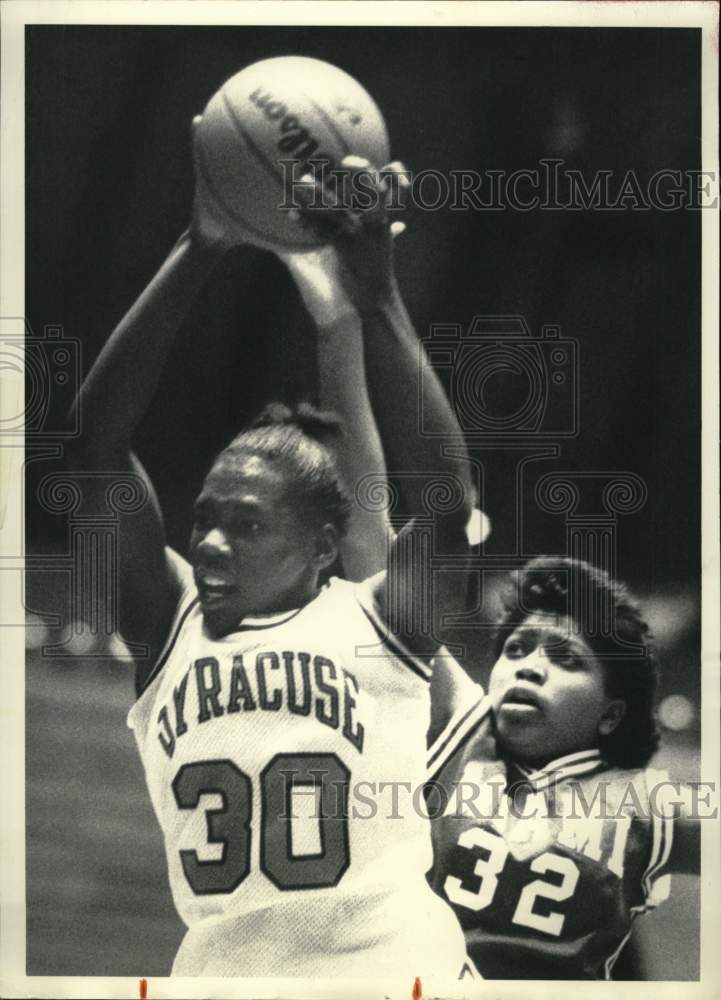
264 124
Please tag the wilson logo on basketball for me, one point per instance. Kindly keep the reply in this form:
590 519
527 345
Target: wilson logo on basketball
295 138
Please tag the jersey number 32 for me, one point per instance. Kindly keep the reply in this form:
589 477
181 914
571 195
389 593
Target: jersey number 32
489 869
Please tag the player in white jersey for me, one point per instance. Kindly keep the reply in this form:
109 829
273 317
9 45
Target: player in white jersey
308 709
264 691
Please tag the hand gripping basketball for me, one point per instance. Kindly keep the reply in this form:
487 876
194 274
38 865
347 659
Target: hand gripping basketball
322 275
361 262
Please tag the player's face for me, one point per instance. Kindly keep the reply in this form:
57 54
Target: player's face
251 551
548 692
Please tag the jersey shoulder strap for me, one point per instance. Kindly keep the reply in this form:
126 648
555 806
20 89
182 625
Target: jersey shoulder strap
187 603
365 593
460 729
656 883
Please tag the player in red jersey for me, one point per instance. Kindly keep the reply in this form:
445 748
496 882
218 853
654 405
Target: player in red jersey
557 834
553 834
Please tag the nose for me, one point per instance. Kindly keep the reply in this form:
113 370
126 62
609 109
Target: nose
213 544
532 668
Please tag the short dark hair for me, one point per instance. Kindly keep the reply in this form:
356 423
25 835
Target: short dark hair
296 439
565 586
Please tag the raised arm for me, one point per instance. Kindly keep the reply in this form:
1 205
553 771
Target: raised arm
343 390
121 384
394 364
396 369
113 400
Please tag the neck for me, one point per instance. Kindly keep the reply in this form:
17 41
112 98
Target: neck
225 622
543 763
297 596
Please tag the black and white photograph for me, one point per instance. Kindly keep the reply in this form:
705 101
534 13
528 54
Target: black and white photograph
359 514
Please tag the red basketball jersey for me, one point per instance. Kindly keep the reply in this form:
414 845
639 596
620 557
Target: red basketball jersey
546 871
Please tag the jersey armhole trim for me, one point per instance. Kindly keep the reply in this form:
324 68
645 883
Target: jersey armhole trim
660 852
456 733
407 658
655 884
651 881
185 606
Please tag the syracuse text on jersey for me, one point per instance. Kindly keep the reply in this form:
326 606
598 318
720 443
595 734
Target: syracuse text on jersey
299 682
253 744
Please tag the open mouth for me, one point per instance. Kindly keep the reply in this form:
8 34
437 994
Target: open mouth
213 587
521 699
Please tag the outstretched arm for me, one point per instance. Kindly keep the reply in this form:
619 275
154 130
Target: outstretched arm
112 401
343 390
121 384
397 368
394 364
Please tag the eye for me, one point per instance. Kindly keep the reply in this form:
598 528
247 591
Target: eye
514 649
566 659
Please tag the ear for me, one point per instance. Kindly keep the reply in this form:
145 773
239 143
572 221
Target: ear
327 543
612 715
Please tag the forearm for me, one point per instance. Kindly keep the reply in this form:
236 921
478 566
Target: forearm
396 369
363 245
120 386
341 371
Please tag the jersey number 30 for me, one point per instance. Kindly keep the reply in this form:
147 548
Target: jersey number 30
488 870
231 824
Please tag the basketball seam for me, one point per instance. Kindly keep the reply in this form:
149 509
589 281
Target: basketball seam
267 240
330 125
262 159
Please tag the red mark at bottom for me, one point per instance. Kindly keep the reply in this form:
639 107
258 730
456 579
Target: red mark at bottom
143 985
417 989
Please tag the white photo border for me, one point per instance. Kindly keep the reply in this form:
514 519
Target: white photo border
16 14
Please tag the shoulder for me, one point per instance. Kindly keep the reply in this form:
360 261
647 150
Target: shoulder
369 592
642 792
180 569
453 692
467 735
360 620
180 577
341 596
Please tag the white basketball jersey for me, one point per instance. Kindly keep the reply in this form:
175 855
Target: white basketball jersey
285 763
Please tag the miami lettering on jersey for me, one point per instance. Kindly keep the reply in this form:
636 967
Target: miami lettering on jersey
546 871
534 821
265 681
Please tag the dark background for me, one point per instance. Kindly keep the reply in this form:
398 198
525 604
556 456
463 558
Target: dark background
109 187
